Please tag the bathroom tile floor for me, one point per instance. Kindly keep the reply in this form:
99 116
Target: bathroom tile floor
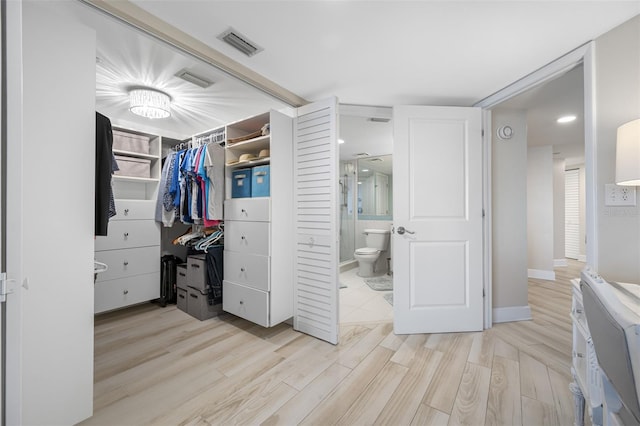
359 303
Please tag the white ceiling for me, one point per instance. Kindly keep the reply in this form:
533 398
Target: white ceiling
397 52
365 53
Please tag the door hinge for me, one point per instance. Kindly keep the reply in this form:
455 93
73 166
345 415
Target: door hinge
483 292
482 132
6 286
482 212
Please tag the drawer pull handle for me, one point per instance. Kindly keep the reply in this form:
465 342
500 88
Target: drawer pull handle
578 311
181 296
126 263
193 295
243 237
126 292
579 355
243 211
242 302
195 265
126 212
241 269
182 274
126 235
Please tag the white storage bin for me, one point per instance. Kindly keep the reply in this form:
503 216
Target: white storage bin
124 141
133 167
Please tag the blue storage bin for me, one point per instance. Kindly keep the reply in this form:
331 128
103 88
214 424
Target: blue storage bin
260 181
241 183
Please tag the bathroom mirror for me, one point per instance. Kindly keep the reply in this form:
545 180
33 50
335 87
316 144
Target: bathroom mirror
375 183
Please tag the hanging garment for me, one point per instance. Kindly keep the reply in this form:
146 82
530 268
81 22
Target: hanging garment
103 159
112 201
214 170
165 209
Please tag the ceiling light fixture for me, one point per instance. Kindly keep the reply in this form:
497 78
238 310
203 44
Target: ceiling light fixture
149 103
566 119
340 140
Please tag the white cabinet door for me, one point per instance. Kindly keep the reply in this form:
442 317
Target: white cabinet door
50 162
437 214
315 178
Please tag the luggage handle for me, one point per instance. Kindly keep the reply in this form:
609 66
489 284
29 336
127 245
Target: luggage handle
260 173
182 274
240 176
195 265
193 295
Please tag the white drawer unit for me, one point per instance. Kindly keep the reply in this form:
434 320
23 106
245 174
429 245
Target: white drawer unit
122 292
258 241
127 262
129 234
251 270
245 302
248 237
131 251
248 209
134 210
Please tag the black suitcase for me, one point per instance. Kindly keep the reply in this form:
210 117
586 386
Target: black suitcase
168 272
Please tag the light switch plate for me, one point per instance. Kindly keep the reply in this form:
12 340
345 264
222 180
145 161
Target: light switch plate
616 195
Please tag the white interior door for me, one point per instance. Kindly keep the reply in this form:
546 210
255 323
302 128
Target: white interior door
437 215
315 158
50 214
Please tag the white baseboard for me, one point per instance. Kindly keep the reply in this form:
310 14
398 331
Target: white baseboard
541 274
559 263
511 313
582 258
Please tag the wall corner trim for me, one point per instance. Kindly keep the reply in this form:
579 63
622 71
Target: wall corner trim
541 274
511 313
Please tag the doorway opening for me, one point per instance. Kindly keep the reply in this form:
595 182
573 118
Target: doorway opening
365 201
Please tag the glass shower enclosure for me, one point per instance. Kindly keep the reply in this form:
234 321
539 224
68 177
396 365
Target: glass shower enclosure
347 193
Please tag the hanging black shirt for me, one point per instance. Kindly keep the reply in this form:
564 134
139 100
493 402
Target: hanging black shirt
104 144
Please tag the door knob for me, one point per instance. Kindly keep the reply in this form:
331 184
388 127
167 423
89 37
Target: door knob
401 230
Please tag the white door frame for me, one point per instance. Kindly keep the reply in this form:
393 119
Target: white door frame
581 55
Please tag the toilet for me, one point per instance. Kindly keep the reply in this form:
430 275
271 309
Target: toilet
377 241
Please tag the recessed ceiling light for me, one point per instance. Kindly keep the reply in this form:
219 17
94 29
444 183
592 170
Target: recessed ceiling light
566 119
340 140
364 170
359 183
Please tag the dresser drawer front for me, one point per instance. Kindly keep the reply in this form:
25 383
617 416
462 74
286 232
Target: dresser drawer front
247 237
134 210
181 276
127 262
245 302
129 234
114 294
251 270
251 209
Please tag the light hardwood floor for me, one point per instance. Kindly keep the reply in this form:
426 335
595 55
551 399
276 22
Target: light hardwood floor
160 366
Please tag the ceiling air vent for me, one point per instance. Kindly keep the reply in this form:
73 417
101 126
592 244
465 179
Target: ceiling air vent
379 119
187 75
362 154
240 42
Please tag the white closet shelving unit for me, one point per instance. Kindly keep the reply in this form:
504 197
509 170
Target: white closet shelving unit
258 255
131 248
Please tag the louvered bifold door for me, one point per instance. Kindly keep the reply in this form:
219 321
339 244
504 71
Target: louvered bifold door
316 220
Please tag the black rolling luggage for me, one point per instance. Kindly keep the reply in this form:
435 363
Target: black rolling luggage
168 287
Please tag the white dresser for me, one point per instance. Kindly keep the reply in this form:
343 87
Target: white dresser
132 252
258 241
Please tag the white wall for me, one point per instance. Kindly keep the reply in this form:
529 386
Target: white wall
558 210
509 212
50 202
617 56
540 211
583 215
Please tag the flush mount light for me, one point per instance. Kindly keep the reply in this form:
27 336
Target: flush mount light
566 119
149 103
365 170
340 140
